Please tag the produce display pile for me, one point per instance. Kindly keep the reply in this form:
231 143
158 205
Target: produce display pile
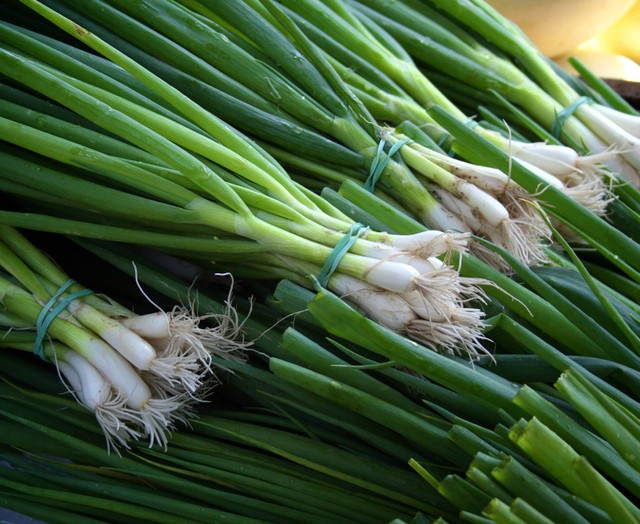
303 261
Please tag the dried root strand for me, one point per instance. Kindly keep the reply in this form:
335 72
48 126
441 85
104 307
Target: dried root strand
447 322
454 338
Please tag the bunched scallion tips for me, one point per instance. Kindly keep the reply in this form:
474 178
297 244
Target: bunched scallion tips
138 385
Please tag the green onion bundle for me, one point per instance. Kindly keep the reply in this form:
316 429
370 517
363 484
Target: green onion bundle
139 374
457 39
230 465
588 475
391 86
579 220
201 186
334 416
339 380
473 433
309 114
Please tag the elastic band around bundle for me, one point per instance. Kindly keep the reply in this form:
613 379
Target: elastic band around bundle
341 249
564 115
380 162
50 311
443 138
470 122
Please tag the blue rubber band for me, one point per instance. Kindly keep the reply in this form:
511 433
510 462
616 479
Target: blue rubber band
380 162
49 313
341 249
563 115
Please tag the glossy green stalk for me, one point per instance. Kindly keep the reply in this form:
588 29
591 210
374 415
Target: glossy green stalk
322 361
385 414
618 426
186 107
501 513
221 95
365 472
528 486
31 74
572 470
50 52
311 500
632 338
561 362
82 502
246 508
600 454
338 318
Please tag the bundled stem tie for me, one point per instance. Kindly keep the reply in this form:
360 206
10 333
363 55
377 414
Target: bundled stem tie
341 249
443 139
470 122
563 115
50 311
380 162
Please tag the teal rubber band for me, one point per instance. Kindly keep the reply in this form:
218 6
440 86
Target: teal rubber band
374 172
470 122
380 162
443 138
563 116
341 249
49 313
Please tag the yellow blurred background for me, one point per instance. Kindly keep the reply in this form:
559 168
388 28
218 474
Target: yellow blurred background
604 34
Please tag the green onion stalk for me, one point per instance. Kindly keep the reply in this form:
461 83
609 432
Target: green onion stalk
211 184
305 106
391 86
139 374
471 205
437 34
